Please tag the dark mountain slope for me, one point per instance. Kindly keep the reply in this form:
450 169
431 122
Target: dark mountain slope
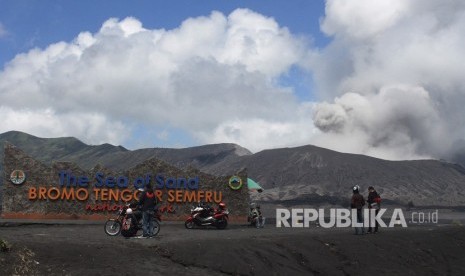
300 175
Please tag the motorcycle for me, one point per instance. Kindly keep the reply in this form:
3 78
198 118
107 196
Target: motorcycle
203 215
129 221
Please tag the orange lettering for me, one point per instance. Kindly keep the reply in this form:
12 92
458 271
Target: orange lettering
158 194
97 192
104 194
52 196
189 196
179 196
208 196
136 194
114 195
126 195
42 191
67 195
82 194
170 195
200 195
219 198
32 193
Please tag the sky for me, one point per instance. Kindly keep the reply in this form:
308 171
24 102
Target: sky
380 78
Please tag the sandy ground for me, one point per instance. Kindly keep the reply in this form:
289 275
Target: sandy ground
239 250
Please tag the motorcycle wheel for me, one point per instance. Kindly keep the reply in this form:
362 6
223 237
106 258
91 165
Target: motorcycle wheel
222 224
189 224
112 227
156 227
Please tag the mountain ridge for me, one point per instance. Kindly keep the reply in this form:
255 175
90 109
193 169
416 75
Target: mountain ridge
299 174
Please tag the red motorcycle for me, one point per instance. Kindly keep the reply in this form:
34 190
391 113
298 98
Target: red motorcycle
129 222
203 215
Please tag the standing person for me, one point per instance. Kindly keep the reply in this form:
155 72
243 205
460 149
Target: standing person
374 203
148 202
358 202
255 216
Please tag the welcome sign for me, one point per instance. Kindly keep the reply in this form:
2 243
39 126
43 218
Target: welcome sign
63 190
116 189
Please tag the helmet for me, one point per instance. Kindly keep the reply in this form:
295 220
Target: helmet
253 205
356 188
222 205
129 211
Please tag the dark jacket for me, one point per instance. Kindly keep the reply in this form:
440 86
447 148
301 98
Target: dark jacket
357 201
373 200
148 201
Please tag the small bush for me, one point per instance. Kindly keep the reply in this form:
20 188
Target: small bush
4 246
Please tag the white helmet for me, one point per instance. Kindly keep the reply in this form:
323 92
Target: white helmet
129 211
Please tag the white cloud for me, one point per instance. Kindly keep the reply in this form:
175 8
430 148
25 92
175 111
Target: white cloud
199 77
46 123
362 19
390 81
259 133
392 77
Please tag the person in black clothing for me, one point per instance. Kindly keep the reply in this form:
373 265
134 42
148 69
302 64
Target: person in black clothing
358 202
148 203
374 201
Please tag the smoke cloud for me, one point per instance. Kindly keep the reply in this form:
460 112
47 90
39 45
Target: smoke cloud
390 81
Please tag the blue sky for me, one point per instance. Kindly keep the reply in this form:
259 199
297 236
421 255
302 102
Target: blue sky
371 77
38 23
